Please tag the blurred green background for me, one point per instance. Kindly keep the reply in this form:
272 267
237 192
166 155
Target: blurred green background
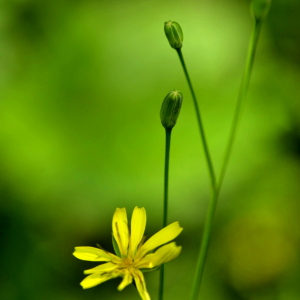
81 87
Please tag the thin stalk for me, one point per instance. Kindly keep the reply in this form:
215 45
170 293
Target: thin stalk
241 98
198 115
166 192
205 243
216 191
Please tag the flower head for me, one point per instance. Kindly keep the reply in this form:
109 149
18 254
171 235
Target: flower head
174 34
260 9
170 109
133 253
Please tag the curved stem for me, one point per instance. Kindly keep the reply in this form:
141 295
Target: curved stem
205 243
241 99
165 217
205 146
216 191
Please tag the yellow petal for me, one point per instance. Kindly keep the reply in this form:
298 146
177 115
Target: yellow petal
120 229
108 267
138 224
95 279
141 284
126 280
93 254
163 255
164 236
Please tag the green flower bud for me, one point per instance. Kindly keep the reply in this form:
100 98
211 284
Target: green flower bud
174 34
170 109
260 9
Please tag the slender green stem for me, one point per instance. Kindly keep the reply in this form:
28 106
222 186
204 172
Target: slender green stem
241 98
206 151
205 243
216 190
165 217
166 179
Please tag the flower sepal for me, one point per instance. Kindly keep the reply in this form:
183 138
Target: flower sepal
116 247
144 270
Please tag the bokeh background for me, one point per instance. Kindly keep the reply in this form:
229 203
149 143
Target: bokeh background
81 87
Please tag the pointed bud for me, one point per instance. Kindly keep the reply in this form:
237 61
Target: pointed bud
260 9
170 109
174 34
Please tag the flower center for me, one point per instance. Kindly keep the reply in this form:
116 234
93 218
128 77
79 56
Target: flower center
127 261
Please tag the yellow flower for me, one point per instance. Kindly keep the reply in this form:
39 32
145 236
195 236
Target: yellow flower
133 253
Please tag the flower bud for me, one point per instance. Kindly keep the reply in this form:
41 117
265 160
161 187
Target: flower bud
260 9
174 34
170 109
